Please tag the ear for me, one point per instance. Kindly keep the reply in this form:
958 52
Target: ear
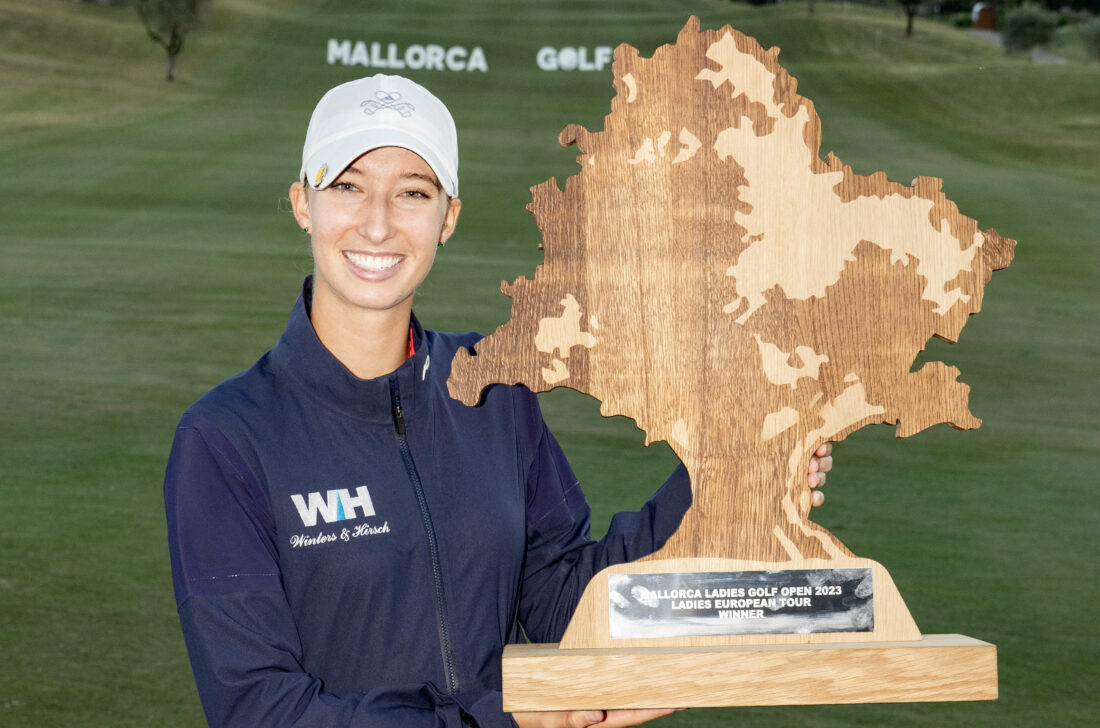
450 219
299 203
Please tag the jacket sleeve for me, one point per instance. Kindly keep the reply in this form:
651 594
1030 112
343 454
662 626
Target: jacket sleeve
561 555
239 629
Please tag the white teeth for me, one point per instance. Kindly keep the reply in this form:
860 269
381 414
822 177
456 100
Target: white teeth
373 262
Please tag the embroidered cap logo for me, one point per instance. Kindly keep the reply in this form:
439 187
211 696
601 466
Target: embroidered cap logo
387 100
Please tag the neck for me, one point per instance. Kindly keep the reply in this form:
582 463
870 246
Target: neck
369 344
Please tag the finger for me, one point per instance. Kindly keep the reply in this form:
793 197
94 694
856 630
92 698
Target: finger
825 450
558 719
585 718
817 499
825 464
621 718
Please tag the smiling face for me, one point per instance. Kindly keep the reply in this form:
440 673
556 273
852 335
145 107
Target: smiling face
375 232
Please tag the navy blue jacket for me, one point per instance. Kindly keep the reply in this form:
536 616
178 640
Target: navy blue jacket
351 552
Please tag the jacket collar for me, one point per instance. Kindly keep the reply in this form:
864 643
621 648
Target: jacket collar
301 354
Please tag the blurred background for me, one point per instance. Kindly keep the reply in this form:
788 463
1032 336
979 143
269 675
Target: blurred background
147 252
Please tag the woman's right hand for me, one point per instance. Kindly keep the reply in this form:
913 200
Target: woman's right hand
585 718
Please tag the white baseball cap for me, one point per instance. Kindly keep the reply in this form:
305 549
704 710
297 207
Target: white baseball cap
380 111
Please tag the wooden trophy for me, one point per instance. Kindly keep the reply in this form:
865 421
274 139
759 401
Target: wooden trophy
710 276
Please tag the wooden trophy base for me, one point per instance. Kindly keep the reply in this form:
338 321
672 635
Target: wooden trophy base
604 663
934 668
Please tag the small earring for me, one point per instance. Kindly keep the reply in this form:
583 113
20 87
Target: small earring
305 230
441 244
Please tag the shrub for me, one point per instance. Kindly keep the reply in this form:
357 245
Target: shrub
962 20
1090 36
1026 27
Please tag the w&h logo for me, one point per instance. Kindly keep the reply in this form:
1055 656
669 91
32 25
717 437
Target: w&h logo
335 505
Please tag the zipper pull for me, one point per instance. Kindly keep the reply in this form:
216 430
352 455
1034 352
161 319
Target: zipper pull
398 419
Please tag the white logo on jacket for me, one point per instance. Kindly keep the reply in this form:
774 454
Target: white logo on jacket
334 505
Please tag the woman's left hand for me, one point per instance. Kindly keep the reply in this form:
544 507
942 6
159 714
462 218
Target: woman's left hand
620 718
820 463
588 718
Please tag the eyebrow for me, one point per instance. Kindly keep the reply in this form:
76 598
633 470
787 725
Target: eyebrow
430 179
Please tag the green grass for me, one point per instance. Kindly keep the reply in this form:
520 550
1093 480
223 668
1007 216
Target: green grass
147 252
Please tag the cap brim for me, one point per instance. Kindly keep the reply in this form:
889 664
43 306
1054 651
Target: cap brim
330 161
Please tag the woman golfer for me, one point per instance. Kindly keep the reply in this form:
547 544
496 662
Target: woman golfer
350 546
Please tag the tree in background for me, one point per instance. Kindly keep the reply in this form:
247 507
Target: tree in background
1090 36
911 7
1027 26
168 22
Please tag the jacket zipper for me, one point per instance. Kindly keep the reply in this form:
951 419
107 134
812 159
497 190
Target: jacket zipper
429 530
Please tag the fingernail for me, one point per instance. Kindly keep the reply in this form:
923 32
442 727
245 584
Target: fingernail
595 716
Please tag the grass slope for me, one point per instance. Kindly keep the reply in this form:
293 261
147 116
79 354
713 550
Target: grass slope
147 253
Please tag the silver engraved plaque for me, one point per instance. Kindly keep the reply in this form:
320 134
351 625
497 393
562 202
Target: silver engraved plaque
741 602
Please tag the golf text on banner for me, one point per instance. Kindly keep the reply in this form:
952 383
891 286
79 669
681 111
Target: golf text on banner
435 57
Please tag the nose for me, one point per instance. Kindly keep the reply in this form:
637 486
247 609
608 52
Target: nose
376 219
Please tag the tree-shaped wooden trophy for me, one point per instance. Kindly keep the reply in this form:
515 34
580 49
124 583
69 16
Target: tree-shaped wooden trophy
710 276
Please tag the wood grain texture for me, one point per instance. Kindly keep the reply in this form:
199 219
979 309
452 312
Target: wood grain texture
709 275
937 668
